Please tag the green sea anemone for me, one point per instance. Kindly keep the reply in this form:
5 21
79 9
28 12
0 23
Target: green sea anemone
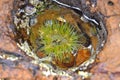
58 39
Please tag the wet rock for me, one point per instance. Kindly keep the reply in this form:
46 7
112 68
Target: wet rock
107 67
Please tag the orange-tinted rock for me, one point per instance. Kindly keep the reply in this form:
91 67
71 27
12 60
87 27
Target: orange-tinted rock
6 42
105 7
82 56
40 54
108 68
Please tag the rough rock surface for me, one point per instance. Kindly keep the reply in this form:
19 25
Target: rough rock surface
107 67
5 7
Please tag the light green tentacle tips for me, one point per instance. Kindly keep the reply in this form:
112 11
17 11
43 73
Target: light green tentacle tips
58 39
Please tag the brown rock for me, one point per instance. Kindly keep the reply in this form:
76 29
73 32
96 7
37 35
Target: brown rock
5 31
109 7
107 69
82 56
